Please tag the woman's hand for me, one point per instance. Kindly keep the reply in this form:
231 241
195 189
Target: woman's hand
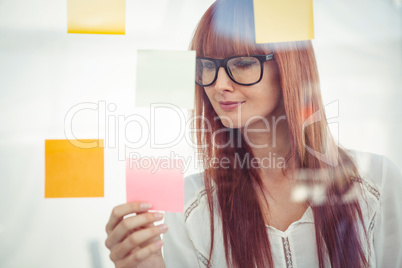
134 241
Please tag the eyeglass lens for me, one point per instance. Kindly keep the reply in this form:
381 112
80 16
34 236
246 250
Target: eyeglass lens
243 70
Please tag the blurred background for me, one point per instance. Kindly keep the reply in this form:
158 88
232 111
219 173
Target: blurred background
45 72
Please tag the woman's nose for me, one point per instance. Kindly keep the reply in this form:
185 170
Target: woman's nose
223 81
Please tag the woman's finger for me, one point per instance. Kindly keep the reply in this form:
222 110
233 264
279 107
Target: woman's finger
136 239
120 211
126 226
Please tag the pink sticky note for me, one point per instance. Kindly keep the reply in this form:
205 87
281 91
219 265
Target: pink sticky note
157 181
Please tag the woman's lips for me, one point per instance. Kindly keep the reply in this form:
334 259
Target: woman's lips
229 105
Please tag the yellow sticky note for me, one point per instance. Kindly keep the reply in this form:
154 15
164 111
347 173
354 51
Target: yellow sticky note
283 20
73 170
96 16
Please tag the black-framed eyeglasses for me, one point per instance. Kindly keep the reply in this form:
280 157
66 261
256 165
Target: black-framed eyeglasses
243 70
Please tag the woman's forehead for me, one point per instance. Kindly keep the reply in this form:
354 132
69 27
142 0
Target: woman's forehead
229 49
227 53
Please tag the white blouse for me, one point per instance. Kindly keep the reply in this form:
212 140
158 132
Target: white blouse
187 241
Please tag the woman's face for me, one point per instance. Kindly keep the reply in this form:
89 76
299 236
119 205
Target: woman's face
239 106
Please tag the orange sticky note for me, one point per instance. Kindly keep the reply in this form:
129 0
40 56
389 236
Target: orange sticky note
96 16
283 20
157 181
72 170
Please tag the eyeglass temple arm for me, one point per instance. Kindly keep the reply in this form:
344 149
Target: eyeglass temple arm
269 57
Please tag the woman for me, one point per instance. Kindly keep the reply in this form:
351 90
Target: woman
264 140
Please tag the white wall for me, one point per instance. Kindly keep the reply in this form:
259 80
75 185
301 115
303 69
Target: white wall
44 72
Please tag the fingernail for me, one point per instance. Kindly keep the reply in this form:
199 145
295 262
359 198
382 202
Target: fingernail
159 243
145 206
163 227
158 215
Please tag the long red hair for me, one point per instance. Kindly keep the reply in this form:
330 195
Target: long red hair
226 29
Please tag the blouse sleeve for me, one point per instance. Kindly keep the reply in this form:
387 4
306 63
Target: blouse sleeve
388 223
178 249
